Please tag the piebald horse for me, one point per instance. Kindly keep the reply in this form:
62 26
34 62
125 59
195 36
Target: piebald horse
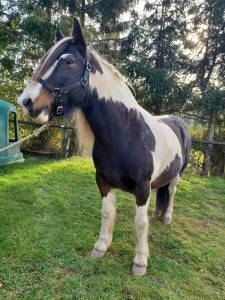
131 149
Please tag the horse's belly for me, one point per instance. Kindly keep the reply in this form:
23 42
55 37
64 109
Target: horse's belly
169 173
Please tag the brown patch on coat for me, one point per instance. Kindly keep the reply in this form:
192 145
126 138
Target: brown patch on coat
102 184
44 101
168 174
142 193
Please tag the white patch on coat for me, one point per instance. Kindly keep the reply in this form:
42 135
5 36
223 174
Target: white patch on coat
50 70
52 50
141 222
111 85
108 220
32 91
42 117
167 144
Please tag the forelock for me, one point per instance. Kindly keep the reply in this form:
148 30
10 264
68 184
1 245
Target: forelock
50 57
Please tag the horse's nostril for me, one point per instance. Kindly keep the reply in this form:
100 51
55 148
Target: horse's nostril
26 102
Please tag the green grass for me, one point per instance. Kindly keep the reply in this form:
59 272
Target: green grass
50 220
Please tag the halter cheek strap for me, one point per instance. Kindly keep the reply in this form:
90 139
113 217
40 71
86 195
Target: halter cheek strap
59 93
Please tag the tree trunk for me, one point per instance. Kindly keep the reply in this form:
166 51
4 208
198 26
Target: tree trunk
218 161
218 154
209 147
82 13
159 62
49 19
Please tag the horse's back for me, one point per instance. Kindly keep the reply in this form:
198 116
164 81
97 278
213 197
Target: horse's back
178 126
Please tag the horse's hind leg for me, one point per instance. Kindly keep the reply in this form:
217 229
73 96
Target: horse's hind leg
167 217
108 218
164 201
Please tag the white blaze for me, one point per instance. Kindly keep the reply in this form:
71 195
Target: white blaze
33 89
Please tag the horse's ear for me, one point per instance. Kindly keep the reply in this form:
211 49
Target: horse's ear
78 36
58 35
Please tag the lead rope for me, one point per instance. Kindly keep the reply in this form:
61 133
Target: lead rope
35 133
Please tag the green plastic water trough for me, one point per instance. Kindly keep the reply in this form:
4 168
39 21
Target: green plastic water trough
9 134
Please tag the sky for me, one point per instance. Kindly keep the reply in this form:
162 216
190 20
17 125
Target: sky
140 5
139 8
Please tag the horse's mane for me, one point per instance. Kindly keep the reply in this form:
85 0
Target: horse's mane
85 135
113 70
109 66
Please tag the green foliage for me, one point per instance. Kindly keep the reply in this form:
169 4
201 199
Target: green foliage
158 90
107 14
156 61
213 98
50 220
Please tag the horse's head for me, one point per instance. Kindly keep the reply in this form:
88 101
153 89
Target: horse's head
60 80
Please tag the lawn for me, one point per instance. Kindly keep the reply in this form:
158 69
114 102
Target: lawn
50 220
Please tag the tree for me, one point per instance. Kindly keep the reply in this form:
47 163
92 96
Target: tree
209 24
156 60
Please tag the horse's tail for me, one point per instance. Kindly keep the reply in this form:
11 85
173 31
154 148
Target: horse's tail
187 146
162 199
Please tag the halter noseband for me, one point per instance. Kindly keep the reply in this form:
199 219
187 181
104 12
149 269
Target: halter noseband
58 93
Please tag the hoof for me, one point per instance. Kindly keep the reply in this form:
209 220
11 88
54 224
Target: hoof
139 270
166 220
95 253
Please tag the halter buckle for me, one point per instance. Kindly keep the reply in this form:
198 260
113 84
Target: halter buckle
88 66
56 92
59 110
83 81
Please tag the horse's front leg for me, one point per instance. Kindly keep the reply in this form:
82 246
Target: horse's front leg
108 217
141 222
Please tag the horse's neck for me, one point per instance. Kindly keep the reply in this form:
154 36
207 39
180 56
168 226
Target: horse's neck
111 86
108 99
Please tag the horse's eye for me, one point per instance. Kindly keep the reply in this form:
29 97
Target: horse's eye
68 61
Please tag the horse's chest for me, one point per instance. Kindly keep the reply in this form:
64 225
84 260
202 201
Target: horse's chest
123 144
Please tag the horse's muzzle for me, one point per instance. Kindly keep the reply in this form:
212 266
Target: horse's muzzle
27 106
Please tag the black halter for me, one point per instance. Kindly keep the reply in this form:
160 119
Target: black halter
59 93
